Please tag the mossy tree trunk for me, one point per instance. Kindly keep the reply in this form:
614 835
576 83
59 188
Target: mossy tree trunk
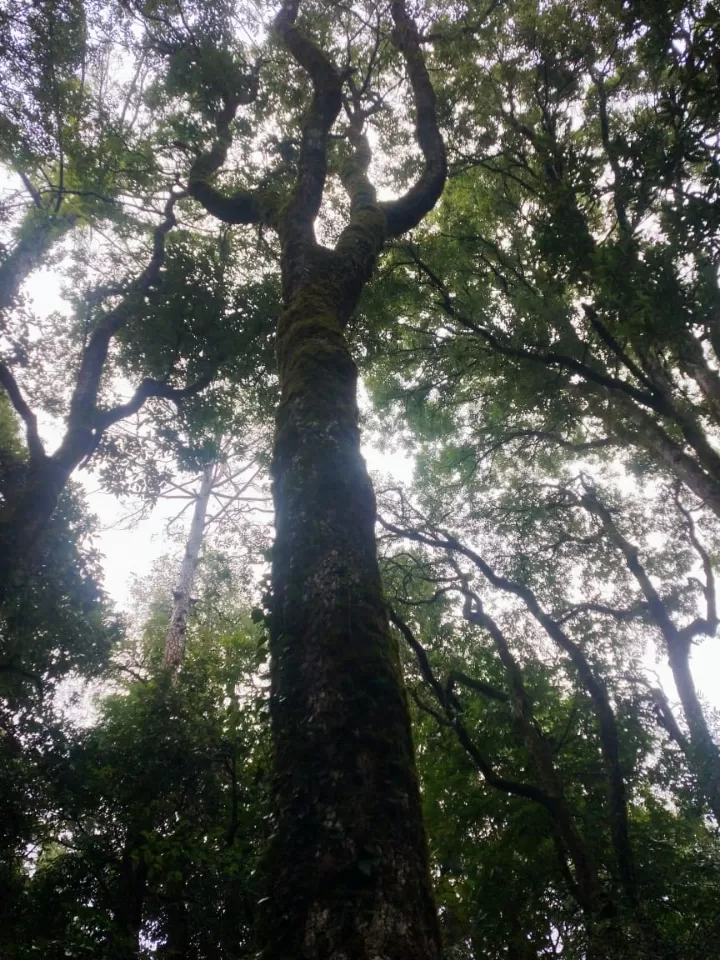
348 866
40 231
347 870
702 751
29 501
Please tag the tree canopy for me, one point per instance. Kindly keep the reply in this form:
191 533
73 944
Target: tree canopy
456 713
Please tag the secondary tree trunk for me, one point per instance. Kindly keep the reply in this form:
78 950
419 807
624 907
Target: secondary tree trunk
27 508
702 752
348 871
132 889
177 630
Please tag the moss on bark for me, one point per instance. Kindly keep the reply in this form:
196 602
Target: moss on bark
347 870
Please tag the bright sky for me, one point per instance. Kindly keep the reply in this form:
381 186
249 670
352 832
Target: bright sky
130 552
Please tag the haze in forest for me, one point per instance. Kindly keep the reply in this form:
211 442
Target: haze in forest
359 479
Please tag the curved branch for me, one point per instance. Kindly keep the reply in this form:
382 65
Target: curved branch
487 689
35 446
84 398
607 725
324 108
525 790
708 624
360 243
149 388
406 212
243 206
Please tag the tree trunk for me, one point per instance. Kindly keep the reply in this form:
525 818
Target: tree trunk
177 942
347 869
27 509
128 913
177 630
704 757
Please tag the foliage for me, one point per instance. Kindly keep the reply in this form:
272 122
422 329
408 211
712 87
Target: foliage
183 856
545 346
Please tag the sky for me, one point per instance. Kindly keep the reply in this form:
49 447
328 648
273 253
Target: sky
130 551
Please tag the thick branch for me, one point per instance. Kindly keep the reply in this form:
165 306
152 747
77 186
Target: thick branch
486 689
321 115
406 212
709 623
243 206
40 232
35 446
599 444
79 436
606 718
611 152
666 718
149 388
656 607
361 241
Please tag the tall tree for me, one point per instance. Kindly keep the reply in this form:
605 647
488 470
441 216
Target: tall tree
347 870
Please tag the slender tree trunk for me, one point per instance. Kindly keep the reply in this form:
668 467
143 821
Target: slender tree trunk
131 901
177 943
594 899
702 751
347 869
177 630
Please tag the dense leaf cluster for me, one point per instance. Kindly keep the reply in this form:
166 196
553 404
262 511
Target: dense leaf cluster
545 345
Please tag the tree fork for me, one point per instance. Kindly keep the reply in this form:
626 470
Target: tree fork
347 869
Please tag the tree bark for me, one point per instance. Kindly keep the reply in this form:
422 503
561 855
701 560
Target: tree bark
348 869
177 630
26 510
132 889
702 751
